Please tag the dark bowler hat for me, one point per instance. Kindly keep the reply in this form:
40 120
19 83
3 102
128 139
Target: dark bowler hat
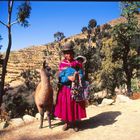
67 47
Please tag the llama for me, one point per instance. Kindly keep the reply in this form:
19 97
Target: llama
44 94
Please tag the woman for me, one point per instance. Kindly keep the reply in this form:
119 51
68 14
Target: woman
66 107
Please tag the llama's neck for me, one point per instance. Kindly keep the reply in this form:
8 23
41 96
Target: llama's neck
45 80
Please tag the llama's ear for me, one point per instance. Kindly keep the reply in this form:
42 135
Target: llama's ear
44 64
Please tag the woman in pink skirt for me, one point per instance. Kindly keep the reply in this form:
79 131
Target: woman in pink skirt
66 107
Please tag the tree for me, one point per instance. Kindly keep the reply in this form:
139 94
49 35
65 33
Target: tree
22 15
95 34
59 36
92 23
1 60
89 29
0 40
84 30
111 73
88 52
123 33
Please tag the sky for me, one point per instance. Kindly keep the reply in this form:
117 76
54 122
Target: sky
49 17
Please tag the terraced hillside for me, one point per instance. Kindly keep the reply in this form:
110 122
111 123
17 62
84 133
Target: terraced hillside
32 57
29 58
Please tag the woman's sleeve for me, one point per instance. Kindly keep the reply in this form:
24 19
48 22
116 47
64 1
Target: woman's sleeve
62 73
63 77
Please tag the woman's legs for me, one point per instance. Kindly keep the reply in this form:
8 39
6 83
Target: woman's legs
66 126
75 125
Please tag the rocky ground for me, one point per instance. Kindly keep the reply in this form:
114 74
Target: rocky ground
119 121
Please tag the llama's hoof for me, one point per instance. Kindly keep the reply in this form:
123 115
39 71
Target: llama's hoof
40 127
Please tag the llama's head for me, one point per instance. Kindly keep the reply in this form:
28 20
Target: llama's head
45 69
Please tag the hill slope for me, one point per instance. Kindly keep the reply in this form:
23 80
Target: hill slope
32 57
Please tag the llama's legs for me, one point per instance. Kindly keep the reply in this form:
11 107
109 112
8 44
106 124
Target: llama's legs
49 119
66 126
42 117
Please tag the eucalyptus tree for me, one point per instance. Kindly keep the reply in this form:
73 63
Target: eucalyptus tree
0 40
95 34
23 13
111 73
92 23
89 29
124 33
59 36
0 54
88 51
1 60
84 29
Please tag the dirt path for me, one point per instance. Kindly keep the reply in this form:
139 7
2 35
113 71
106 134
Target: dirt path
116 122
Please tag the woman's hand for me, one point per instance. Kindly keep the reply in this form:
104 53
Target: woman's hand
72 78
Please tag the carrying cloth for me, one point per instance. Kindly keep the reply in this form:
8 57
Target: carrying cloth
80 89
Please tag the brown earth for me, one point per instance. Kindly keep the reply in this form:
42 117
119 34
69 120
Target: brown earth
120 121
135 96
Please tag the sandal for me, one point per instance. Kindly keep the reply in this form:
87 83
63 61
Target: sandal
76 129
65 127
76 126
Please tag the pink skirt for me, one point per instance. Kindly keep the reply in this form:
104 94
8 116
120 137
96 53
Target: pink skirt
66 108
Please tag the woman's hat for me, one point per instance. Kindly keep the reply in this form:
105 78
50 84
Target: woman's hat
82 58
67 47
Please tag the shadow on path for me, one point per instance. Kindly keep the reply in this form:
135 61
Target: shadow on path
105 118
